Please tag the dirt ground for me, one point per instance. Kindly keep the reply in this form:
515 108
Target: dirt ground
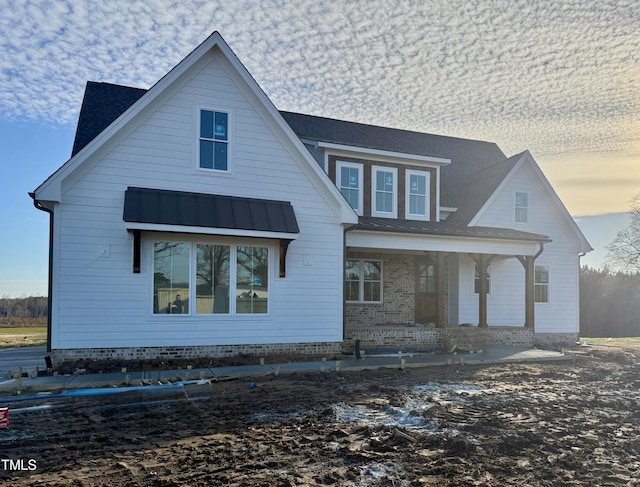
573 422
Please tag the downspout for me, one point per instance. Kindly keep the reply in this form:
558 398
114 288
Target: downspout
39 206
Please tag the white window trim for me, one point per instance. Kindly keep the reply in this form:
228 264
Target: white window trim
229 141
542 303
362 281
360 168
394 200
412 216
528 207
234 243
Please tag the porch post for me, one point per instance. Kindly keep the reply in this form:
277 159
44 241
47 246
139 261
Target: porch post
441 316
482 261
528 262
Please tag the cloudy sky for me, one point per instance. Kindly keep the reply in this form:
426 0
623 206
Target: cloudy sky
560 78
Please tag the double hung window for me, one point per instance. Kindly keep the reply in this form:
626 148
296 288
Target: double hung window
363 281
476 282
384 191
213 145
521 207
541 285
417 195
349 181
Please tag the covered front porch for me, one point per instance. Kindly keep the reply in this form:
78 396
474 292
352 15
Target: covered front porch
433 292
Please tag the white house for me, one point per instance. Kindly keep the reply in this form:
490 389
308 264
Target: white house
195 219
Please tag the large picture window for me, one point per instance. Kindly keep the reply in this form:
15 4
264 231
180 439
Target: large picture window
214 140
252 282
363 281
217 272
171 277
213 266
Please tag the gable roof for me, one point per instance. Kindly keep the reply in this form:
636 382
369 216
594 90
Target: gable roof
476 170
96 128
517 162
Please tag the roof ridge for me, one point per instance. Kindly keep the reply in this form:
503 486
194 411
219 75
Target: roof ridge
383 127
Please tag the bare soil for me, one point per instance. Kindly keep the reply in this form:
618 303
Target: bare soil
571 422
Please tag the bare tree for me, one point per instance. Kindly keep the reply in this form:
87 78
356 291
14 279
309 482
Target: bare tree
624 251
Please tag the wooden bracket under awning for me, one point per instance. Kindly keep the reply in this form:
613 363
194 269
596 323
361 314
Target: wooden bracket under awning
136 251
284 246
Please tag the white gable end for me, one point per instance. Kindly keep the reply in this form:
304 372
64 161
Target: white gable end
560 256
100 302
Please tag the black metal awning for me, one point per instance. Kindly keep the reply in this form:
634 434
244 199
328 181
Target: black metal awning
165 207
154 209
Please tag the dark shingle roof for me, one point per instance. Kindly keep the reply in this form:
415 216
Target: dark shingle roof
164 207
468 157
102 104
476 169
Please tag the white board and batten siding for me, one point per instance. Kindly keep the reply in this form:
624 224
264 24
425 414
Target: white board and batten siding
506 300
99 302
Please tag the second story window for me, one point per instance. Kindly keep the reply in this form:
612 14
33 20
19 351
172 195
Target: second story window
384 192
521 207
417 195
214 140
349 181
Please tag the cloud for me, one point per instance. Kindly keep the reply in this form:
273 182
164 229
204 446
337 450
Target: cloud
559 78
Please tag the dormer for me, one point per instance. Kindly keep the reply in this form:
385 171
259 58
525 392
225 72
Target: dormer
385 184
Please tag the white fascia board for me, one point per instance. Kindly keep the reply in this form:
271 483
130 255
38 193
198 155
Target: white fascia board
378 241
383 155
155 227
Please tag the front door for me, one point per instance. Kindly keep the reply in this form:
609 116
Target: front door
426 290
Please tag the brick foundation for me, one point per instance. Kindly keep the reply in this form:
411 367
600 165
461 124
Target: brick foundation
418 337
555 340
317 349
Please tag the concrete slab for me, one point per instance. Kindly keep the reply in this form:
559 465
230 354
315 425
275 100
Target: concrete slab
490 354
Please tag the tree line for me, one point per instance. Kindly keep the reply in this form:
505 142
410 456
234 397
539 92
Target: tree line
31 307
609 303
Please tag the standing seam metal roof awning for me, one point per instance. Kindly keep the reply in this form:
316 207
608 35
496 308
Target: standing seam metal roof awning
208 211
